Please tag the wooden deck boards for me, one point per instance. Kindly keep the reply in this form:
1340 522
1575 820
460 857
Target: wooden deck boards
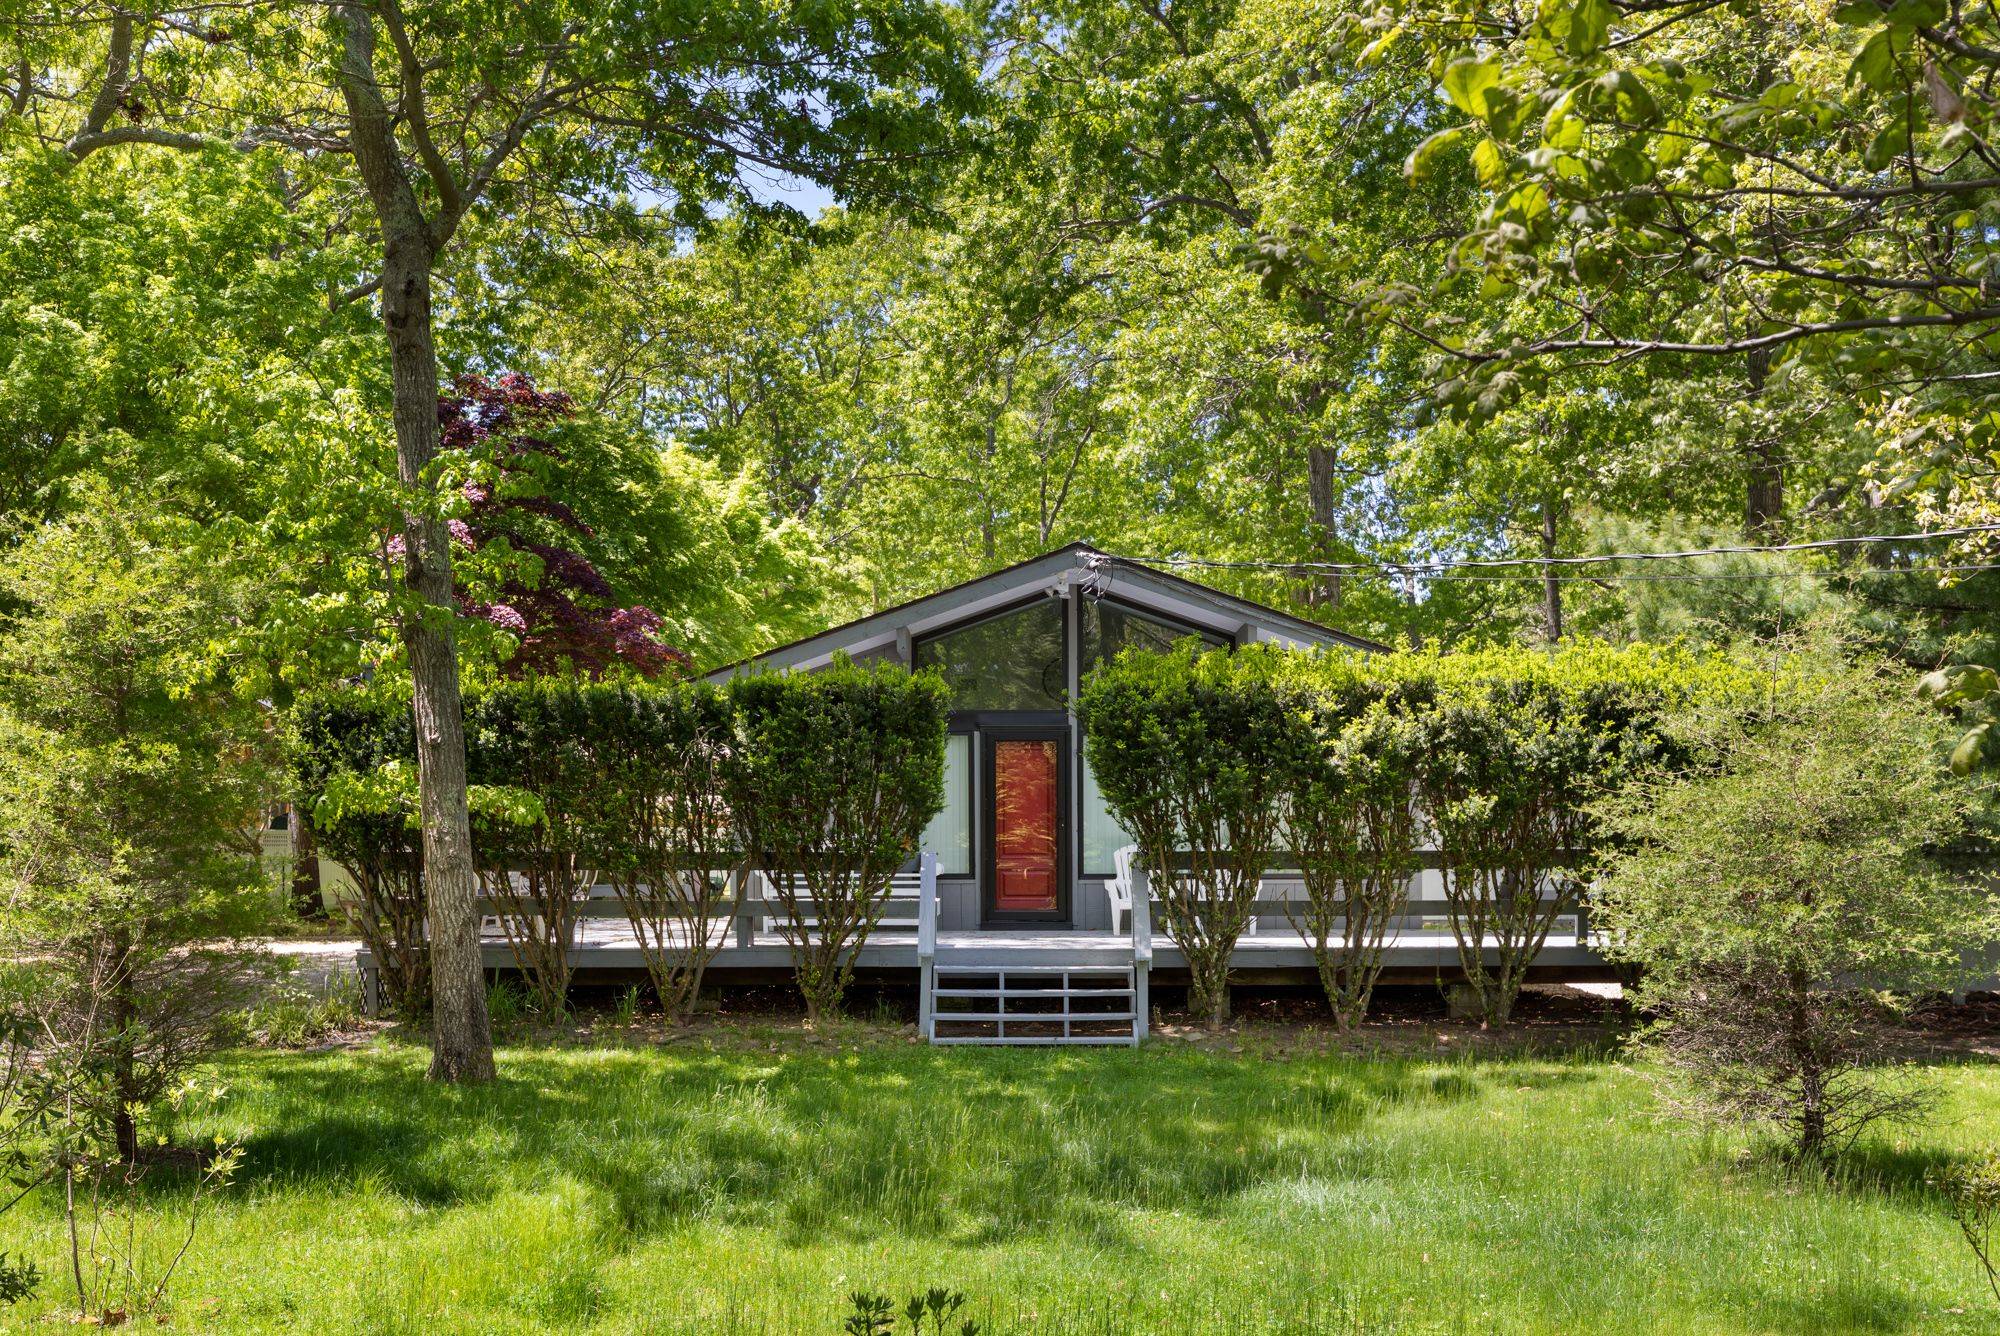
608 944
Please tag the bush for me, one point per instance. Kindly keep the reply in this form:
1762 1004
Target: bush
662 831
1192 753
531 761
354 758
833 778
132 779
1350 815
1785 903
1513 748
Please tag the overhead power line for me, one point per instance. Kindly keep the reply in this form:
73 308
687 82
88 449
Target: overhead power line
1442 568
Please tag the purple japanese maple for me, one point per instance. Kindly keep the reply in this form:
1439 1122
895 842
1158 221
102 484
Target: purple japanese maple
568 617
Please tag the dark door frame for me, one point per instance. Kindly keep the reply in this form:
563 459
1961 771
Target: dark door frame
1060 735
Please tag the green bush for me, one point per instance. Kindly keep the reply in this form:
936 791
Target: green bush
1351 819
1785 899
833 778
1514 747
532 762
661 829
1192 753
353 756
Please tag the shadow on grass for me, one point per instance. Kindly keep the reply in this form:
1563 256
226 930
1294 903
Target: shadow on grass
970 1147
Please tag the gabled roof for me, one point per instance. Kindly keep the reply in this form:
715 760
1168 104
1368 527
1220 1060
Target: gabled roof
1077 567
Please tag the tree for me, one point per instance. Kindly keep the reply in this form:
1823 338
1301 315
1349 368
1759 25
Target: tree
440 117
551 600
132 780
1786 904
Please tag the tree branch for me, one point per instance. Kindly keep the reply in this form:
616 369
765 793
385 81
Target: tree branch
416 112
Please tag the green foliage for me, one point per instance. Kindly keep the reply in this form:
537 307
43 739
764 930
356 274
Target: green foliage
661 830
928 1312
834 776
1515 747
1191 751
1974 1192
534 741
353 758
1351 817
1785 902
132 787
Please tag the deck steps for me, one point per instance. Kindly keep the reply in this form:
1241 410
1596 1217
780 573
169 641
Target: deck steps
1032 1003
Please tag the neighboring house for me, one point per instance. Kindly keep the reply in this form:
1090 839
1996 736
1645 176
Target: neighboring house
1024 839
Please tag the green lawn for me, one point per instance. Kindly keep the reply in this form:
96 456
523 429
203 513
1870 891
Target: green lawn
747 1181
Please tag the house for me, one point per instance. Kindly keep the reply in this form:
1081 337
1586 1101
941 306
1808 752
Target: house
1024 918
1024 840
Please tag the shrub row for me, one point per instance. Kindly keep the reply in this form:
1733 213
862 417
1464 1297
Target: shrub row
662 790
1227 765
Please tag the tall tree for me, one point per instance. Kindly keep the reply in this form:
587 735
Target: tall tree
440 117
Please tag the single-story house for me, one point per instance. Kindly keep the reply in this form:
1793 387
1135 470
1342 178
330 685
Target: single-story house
1024 840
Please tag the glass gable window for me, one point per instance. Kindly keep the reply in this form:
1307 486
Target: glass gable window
1111 627
1010 662
1107 629
949 835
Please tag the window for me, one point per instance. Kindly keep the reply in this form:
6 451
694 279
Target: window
949 834
1013 661
1102 835
1110 627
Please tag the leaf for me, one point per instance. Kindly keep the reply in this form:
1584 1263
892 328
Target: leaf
1886 146
1420 161
1488 162
1466 82
1876 64
1967 755
1590 23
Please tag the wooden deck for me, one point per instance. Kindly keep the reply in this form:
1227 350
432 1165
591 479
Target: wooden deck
606 944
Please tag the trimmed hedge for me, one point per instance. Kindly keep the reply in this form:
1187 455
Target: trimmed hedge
825 781
835 775
1494 758
1192 751
351 753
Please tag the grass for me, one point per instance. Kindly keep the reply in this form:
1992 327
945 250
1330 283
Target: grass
749 1179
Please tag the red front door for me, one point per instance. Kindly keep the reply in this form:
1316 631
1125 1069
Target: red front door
1027 826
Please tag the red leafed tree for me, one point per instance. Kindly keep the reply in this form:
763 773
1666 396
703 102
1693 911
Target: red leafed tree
559 607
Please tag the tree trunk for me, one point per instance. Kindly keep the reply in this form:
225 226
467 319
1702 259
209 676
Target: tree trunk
461 1035
1764 490
1552 598
124 1061
308 899
1325 524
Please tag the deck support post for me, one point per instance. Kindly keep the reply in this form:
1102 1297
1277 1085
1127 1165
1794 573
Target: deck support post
749 889
1142 951
927 945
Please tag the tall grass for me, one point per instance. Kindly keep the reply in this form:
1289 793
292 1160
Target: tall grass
751 1184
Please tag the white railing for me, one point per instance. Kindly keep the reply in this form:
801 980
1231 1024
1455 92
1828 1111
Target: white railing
927 911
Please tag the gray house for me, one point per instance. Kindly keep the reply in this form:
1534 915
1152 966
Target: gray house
1027 918
1024 841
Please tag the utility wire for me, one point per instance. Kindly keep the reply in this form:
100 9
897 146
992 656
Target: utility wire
1440 569
1630 577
